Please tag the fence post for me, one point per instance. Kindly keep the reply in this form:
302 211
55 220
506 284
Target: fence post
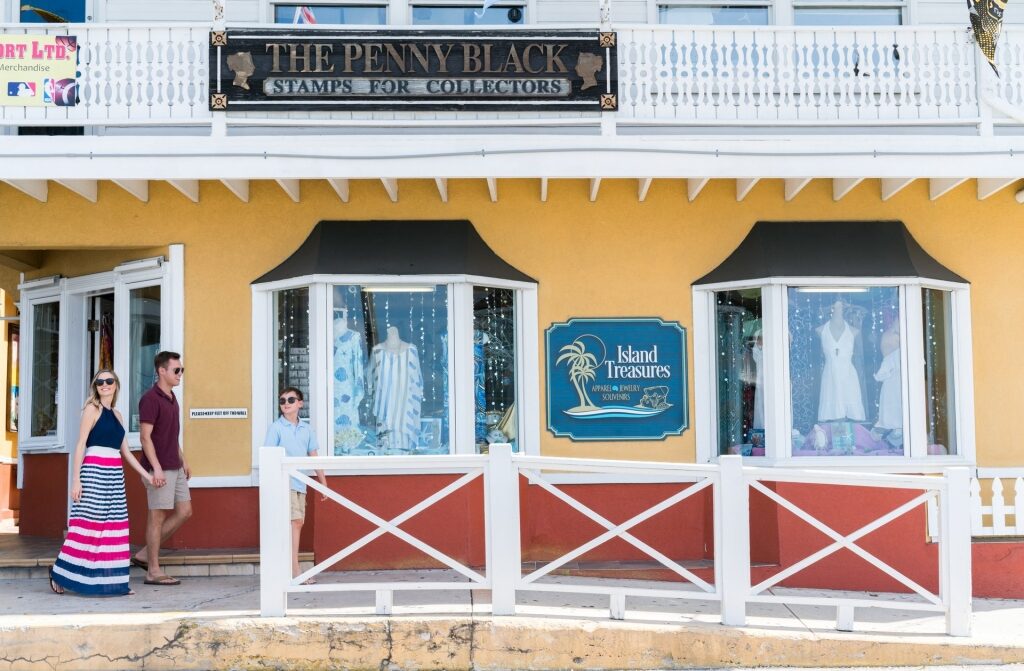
275 536
732 522
955 550
501 522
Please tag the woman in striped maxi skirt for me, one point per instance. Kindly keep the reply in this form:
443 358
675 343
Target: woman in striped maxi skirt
95 555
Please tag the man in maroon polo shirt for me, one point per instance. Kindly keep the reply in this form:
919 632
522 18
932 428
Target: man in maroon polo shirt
160 422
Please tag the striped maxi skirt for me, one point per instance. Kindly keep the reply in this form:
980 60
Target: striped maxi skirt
94 558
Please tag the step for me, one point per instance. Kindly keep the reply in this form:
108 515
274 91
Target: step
177 563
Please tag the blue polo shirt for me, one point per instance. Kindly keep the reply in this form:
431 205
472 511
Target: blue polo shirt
297 441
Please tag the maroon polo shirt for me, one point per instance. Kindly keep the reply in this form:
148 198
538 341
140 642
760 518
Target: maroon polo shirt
161 410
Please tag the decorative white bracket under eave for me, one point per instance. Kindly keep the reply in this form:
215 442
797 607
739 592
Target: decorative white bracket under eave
492 188
442 188
743 187
137 187
291 187
694 187
937 188
893 185
239 187
987 187
795 186
543 189
642 187
391 186
37 188
595 186
340 187
188 188
86 188
843 186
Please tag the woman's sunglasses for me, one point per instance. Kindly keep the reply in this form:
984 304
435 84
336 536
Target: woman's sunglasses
287 400
104 381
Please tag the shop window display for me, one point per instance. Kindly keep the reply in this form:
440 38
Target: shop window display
494 365
739 348
845 365
938 370
45 356
390 370
291 341
143 346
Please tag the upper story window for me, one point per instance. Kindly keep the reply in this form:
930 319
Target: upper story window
834 341
52 11
715 13
504 14
837 14
408 338
364 14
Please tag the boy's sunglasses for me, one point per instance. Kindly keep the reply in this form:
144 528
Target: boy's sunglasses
104 381
287 400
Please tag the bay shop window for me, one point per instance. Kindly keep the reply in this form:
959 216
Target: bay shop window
405 338
834 342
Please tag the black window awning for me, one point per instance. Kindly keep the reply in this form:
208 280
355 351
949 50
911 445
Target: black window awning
394 248
828 249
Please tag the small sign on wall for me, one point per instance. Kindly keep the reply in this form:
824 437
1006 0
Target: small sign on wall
617 379
218 413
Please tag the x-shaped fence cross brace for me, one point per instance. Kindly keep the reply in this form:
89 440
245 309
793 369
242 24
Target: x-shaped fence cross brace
389 526
620 530
848 542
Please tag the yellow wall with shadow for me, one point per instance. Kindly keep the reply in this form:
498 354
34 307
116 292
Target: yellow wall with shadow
615 257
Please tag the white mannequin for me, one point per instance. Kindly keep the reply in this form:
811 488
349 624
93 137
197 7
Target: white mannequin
840 385
394 342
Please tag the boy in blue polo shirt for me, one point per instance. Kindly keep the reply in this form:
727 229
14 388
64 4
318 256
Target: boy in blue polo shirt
298 440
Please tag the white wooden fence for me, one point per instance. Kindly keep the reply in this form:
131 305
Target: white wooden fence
995 518
729 481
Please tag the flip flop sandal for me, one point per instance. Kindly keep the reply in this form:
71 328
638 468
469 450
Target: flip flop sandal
57 589
162 580
144 565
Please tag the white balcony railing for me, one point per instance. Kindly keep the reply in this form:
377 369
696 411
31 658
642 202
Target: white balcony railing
668 75
730 484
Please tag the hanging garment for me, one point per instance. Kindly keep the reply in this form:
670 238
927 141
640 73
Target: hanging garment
890 397
397 396
95 555
479 390
840 385
758 355
349 389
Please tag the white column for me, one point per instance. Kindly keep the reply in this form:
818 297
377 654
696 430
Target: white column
501 518
955 551
732 526
275 535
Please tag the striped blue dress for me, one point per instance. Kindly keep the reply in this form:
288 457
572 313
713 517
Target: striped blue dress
94 558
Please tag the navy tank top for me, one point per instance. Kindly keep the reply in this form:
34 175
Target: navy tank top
107 432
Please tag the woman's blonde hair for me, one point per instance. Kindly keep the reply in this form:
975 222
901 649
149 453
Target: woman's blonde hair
94 395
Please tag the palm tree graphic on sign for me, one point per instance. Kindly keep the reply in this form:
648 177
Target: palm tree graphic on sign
582 368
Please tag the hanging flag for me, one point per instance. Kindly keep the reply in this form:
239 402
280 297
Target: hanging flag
303 14
487 5
987 23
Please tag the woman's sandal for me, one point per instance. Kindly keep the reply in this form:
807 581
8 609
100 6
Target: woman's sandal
57 589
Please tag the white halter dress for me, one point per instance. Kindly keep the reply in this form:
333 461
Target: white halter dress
840 385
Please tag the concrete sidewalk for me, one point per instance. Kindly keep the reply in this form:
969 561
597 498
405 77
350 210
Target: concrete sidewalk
213 623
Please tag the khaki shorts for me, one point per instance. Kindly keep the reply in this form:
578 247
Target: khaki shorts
298 504
174 492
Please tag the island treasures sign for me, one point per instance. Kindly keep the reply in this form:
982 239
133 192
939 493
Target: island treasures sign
290 69
617 379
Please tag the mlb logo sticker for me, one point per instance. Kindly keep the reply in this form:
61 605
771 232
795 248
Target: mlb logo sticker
21 89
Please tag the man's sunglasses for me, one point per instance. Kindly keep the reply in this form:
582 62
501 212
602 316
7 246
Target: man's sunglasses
177 371
287 400
104 381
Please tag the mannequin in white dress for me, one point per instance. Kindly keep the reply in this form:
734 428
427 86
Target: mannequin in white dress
840 385
397 390
890 396
757 352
